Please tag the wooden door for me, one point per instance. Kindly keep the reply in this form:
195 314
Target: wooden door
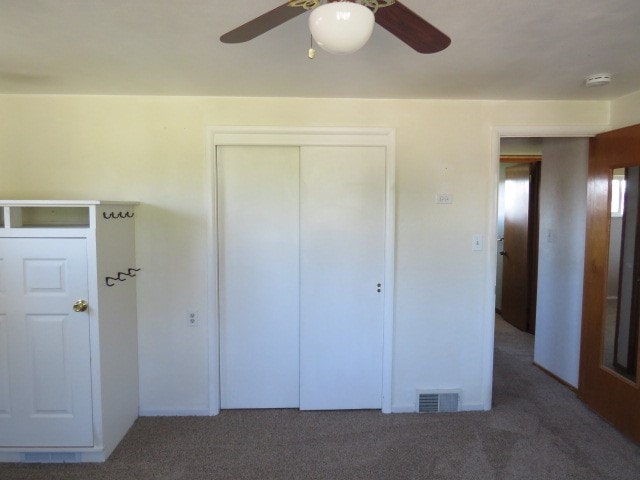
519 272
45 363
258 210
611 392
342 239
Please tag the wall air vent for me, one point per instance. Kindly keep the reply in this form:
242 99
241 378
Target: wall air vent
439 401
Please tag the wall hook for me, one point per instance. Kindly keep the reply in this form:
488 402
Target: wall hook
121 276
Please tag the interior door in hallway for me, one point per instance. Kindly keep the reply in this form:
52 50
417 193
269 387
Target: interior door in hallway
520 246
608 380
258 209
342 258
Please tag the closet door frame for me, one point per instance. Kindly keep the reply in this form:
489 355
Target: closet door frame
299 136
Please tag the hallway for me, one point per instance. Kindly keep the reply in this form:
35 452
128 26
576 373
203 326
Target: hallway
544 424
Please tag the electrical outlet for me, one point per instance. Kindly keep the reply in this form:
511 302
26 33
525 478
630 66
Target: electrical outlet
192 319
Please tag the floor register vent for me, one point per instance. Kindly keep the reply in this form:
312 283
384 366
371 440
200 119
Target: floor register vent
50 457
439 401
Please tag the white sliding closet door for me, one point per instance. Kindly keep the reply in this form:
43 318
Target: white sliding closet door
258 229
342 247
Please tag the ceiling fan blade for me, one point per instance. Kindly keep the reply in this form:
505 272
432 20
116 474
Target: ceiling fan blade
411 29
262 24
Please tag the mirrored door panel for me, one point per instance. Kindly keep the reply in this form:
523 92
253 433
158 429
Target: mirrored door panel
620 327
611 297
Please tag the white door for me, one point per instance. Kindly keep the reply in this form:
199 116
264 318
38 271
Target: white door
45 364
342 245
258 210
301 238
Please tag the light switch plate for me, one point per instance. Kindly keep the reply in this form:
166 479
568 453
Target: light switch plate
476 242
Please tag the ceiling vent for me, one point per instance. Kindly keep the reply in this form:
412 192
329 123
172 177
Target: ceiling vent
438 401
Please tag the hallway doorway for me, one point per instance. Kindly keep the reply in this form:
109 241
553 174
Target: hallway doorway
555 247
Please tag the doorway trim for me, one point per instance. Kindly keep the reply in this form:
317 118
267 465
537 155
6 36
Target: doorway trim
498 132
298 136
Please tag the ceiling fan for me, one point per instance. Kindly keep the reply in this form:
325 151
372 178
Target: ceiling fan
389 14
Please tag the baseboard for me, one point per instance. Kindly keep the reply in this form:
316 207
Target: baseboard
403 409
557 378
196 412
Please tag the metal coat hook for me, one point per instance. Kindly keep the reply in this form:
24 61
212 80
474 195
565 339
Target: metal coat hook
114 215
121 276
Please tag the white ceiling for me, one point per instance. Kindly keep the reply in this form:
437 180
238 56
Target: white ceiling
501 49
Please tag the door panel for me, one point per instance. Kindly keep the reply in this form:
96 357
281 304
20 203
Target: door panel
515 276
5 386
258 276
47 346
342 231
610 393
625 321
48 362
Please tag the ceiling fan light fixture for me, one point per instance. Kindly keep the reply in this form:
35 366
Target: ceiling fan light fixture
341 27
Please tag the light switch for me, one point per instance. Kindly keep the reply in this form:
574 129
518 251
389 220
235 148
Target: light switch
476 242
551 236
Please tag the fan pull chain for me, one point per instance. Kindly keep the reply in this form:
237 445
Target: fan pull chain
312 51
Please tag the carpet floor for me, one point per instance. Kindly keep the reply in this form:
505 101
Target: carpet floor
537 429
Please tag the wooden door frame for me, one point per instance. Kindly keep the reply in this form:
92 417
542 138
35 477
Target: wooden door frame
299 136
498 132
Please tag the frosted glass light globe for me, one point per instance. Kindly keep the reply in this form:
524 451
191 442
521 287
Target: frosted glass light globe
341 27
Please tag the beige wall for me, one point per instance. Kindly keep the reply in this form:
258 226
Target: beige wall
152 149
625 111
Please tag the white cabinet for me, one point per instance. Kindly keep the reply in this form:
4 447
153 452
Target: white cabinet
68 335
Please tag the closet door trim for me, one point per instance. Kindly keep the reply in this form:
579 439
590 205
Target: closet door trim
293 136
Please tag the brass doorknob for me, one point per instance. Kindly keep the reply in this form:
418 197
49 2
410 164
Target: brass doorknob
80 306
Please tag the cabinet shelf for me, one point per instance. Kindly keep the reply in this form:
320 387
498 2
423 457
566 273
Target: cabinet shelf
52 217
50 214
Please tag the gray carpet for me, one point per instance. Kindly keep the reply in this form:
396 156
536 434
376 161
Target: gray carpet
537 430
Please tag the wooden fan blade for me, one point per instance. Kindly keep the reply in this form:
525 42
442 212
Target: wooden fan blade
411 29
262 24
